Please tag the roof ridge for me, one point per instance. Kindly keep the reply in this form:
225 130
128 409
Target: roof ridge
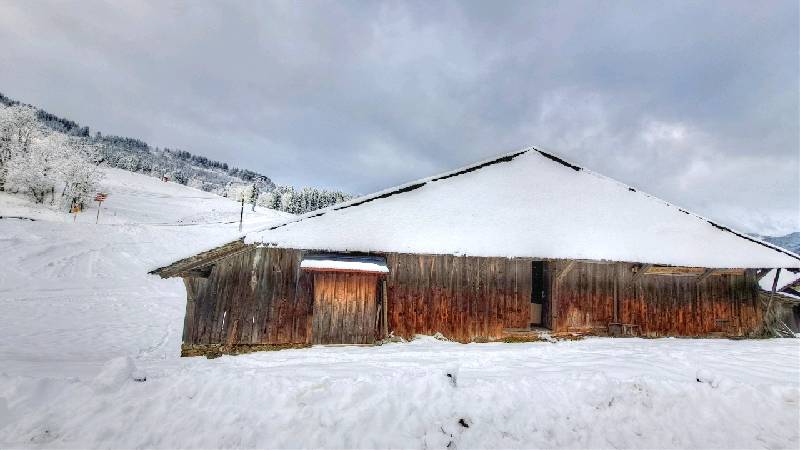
399 189
507 157
713 223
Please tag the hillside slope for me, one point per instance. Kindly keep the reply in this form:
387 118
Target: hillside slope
177 165
789 241
57 269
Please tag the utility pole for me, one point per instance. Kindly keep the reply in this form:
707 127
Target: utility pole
241 215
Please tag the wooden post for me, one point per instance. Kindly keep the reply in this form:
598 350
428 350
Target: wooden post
384 310
616 297
775 281
241 215
768 313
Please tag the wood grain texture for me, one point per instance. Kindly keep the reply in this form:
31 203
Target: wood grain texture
660 305
345 308
260 296
458 296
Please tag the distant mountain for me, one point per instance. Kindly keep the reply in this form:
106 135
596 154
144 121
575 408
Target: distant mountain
790 241
188 169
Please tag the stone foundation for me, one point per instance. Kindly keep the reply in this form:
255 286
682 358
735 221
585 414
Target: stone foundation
211 351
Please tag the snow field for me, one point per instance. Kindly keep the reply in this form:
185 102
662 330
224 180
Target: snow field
81 319
598 393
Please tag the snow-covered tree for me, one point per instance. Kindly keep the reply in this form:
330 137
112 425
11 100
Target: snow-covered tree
79 173
33 169
35 159
18 129
254 192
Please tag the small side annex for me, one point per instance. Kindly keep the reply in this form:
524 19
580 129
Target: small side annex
524 241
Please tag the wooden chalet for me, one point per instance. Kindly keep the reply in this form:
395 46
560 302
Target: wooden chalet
525 241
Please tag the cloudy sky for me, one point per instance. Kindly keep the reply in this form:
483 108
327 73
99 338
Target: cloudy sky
695 102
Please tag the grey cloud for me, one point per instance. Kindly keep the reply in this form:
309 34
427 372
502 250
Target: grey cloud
363 95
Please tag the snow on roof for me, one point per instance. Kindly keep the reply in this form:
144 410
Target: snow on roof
525 204
785 279
346 263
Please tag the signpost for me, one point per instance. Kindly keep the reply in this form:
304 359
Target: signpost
75 209
99 198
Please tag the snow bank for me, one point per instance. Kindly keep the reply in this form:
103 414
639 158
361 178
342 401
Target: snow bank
528 205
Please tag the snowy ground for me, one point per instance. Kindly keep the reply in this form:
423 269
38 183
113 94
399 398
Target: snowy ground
80 317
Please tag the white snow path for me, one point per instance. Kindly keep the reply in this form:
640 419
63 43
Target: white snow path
79 315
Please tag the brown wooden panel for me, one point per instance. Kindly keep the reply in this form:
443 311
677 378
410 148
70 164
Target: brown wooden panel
260 296
345 308
458 296
251 297
659 304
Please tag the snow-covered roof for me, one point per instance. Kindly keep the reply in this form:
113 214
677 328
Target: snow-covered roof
345 263
525 204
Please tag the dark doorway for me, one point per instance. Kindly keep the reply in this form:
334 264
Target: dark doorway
540 307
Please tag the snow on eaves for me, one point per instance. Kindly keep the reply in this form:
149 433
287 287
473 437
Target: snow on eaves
347 263
525 204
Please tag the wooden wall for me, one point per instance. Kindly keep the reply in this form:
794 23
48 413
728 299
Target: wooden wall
460 297
260 296
661 305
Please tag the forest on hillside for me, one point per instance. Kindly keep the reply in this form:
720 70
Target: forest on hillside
41 153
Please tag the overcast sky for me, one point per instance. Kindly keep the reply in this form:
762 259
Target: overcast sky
695 102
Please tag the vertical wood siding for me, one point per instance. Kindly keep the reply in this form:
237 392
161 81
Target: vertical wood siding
260 296
345 308
458 296
661 305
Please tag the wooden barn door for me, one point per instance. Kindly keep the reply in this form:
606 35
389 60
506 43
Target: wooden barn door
345 308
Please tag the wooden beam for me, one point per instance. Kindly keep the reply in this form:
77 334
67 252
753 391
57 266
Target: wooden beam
616 299
641 271
385 310
762 273
775 281
202 259
672 270
563 272
199 272
772 294
706 274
